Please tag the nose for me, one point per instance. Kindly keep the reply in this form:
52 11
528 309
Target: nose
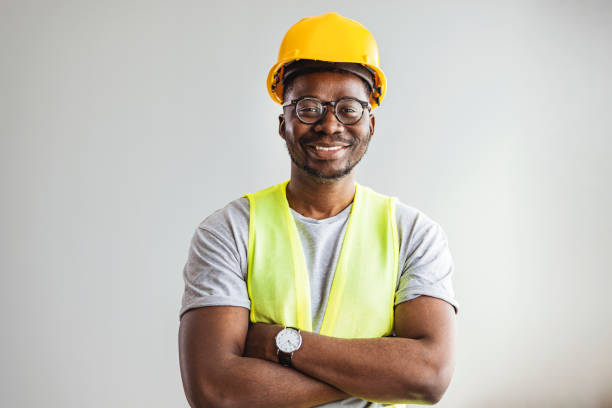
329 124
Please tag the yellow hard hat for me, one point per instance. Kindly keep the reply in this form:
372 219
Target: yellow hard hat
328 37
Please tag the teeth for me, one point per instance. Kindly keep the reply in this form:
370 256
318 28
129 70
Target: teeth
327 149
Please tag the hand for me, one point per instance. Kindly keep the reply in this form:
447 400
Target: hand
260 341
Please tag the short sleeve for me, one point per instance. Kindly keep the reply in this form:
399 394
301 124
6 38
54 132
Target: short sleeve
214 273
427 263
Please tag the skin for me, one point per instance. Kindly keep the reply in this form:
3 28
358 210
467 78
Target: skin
325 195
226 361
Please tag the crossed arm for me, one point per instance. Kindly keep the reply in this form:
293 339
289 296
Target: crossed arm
227 362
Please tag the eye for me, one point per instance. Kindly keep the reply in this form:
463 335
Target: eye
310 109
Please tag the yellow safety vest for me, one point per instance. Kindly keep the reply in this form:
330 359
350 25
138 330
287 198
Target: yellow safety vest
362 294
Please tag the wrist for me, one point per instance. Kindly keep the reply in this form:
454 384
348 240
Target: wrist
287 342
272 350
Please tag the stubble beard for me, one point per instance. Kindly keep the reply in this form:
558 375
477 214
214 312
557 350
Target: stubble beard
321 178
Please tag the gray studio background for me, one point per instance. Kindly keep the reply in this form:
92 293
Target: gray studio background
125 123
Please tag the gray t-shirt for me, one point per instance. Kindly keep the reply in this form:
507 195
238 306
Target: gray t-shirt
216 270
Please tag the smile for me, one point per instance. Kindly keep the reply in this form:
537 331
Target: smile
323 152
329 149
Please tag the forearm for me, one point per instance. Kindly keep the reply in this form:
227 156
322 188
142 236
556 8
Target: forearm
244 381
415 366
216 374
391 369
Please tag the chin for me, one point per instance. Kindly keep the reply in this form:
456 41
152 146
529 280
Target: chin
321 176
326 177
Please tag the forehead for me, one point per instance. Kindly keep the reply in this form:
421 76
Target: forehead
328 86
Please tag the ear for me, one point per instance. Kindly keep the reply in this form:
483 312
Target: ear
281 125
372 125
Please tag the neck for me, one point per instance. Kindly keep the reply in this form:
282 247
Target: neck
317 200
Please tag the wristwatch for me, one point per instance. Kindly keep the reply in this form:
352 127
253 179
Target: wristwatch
288 341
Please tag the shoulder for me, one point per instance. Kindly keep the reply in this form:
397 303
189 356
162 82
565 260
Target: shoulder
225 233
216 267
426 264
229 221
414 224
421 238
415 228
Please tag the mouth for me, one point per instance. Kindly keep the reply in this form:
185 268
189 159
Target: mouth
327 152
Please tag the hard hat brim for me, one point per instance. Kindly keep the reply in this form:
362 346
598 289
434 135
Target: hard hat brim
276 74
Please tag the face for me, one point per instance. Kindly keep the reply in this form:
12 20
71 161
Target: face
326 150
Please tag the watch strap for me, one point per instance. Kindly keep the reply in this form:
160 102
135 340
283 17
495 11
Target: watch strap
284 358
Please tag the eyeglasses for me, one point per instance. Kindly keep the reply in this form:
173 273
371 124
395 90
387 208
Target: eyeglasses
310 110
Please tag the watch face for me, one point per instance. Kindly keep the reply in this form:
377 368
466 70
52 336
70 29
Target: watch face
288 340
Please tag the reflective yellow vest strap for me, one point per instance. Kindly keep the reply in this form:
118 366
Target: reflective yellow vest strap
361 299
277 279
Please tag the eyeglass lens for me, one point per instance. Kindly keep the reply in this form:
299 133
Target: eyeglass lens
348 111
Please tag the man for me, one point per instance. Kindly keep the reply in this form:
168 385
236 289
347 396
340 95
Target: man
319 290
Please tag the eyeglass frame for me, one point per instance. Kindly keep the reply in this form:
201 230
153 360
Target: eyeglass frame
365 105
